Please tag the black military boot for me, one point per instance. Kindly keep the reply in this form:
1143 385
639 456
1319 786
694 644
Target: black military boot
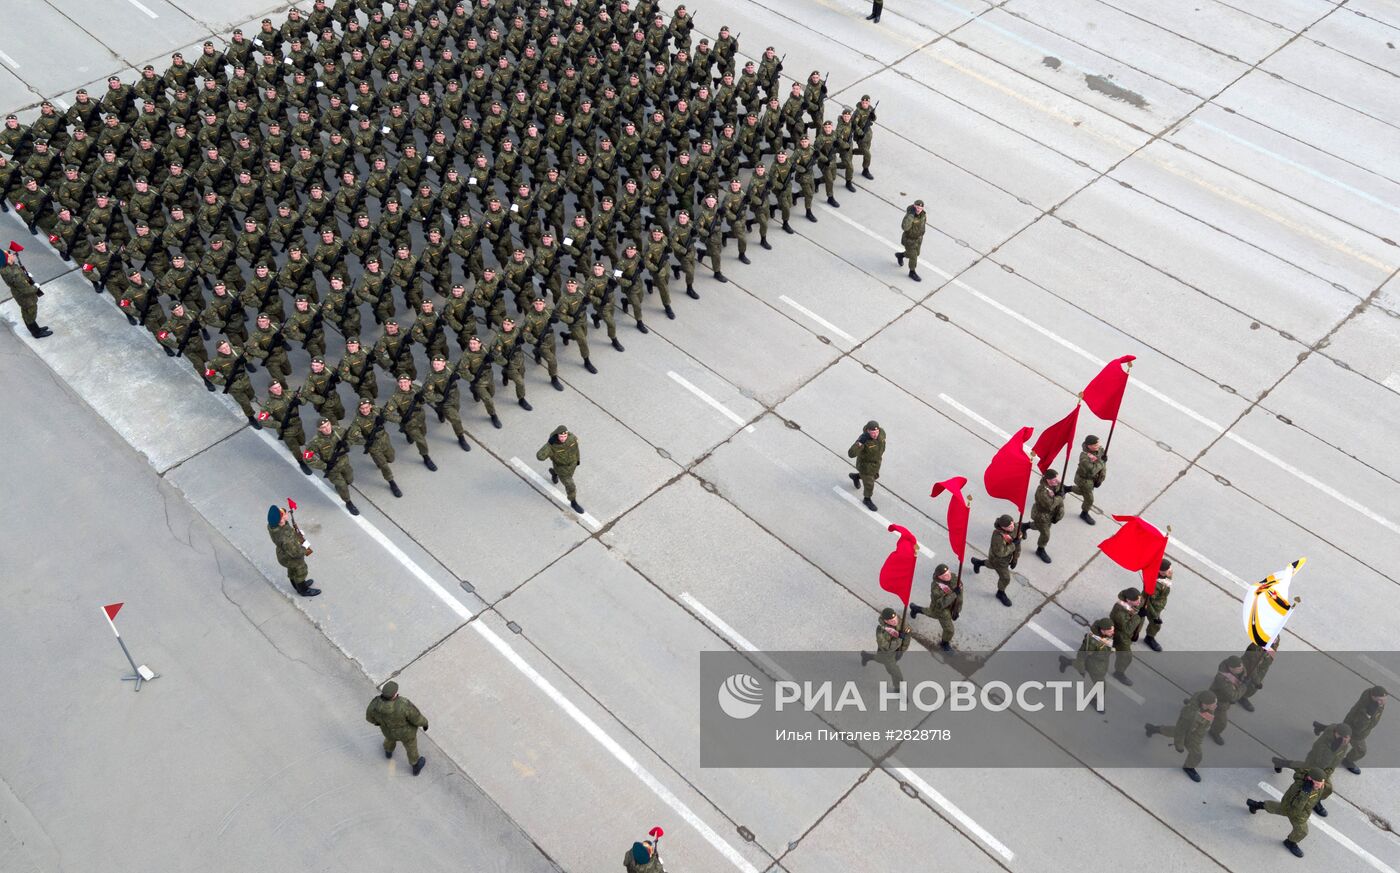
419 765
671 313
855 479
1246 705
1294 848
787 228
306 590
744 259
866 174
428 462
38 331
1278 763
257 425
831 201
1152 643
1253 805
1191 772
691 292
304 469
1319 810
525 405
1217 739
394 488
899 258
810 217
977 565
553 476
641 327
764 244
1003 599
505 378
1347 763
870 505
208 386
617 345
496 421
1065 662
1122 677
915 610
1088 519
555 383
864 658
588 365
1045 556
720 277
675 273
850 186
573 504
351 508
462 441
915 276
1318 728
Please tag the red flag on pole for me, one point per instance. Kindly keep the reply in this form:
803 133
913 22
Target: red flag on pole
1009 474
957 513
1104 394
1054 438
897 574
16 247
1137 546
112 609
291 504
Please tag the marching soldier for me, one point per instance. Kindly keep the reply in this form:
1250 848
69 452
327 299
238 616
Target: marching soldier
869 452
571 313
356 369
1002 555
562 453
1126 625
1297 803
891 642
1332 746
368 429
945 603
230 369
863 124
508 350
440 392
320 390
1228 685
1362 718
1089 475
178 336
405 408
399 720
912 238
1257 661
1047 510
279 411
538 325
1197 714
1092 658
267 346
1156 603
321 454
474 368
291 551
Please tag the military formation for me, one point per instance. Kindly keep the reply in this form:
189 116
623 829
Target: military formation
486 181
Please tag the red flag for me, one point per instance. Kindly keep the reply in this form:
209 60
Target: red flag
112 609
1137 546
14 246
897 574
1008 476
957 513
292 504
1105 393
1054 438
657 832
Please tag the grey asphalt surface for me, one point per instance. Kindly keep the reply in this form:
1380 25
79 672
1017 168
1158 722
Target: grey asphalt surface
1213 188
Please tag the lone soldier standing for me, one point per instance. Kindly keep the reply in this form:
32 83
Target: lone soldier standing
291 552
869 452
912 238
562 453
1362 718
1156 603
1047 510
1297 804
1093 654
1002 555
891 641
1126 624
399 720
1089 475
26 294
642 858
944 605
1197 713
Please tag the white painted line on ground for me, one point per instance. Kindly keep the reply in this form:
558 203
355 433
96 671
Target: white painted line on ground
1380 668
725 630
1176 545
60 103
581 718
894 246
1065 647
974 416
9 60
958 815
817 318
1346 843
1190 413
559 496
143 8
873 516
723 410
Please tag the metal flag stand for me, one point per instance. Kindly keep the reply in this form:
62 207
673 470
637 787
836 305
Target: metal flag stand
140 673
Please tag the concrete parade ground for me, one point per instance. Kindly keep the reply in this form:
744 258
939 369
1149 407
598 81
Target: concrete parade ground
1212 186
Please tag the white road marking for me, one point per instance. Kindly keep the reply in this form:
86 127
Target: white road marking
1380 668
961 817
1176 545
1316 822
143 8
1065 647
1191 413
873 516
540 482
9 60
734 636
865 230
974 416
60 103
591 727
722 409
817 318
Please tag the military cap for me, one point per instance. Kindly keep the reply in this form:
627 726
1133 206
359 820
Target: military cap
439 357
1206 698
366 400
404 377
940 569
1103 624
1090 440
1004 520
218 238
865 96
352 339
1378 691
1049 474
918 203
391 323
317 359
1342 729
886 614
1126 593
1165 565
1317 774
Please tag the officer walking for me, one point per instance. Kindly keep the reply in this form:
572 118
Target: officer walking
291 550
399 720
1298 802
562 453
944 604
1197 714
912 238
869 452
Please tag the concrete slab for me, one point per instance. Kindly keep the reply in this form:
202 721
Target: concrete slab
133 33
1292 15
1332 74
14 93
1360 37
1176 321
1239 275
1228 29
1378 10
32 59
834 22
155 402
1367 342
544 770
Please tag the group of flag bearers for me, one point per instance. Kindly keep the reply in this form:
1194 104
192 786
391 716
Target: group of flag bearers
1137 546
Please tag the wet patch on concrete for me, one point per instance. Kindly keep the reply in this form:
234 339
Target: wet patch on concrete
1052 63
1105 85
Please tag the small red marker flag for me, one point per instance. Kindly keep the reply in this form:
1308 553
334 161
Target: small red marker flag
657 832
112 609
292 504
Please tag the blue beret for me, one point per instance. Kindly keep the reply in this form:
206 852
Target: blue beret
274 515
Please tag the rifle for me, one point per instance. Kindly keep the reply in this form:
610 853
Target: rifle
292 407
411 409
194 325
151 296
239 365
292 514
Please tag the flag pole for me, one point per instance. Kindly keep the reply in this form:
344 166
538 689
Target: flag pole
1069 446
1021 519
1114 423
956 610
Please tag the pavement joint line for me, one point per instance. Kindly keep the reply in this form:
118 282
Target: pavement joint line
1302 476
1329 830
1392 382
962 818
1060 644
974 416
875 516
143 8
1379 668
11 62
722 409
533 475
817 318
592 728
738 639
